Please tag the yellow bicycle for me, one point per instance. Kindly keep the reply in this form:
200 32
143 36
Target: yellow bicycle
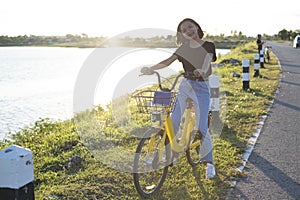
159 146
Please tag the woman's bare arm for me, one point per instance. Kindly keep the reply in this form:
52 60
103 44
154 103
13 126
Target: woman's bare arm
162 64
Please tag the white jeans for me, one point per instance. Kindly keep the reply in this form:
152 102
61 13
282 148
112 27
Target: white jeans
199 92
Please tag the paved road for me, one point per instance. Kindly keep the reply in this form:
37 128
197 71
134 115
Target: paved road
274 166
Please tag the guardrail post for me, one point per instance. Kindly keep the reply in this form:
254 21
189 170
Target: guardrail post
262 60
214 84
246 76
256 65
16 172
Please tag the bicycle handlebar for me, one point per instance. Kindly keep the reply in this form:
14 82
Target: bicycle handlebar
159 81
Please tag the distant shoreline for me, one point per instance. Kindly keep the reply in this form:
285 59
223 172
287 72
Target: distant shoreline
83 41
218 44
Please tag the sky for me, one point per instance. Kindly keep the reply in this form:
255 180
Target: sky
113 17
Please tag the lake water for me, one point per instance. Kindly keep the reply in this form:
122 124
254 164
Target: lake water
38 82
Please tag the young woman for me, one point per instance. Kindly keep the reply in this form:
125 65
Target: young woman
195 55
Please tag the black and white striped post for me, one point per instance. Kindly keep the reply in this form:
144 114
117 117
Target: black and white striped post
262 60
256 65
246 76
214 84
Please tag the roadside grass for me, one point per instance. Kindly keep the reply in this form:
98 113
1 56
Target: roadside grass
54 143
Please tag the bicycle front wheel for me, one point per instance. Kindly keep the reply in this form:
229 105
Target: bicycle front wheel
151 163
193 151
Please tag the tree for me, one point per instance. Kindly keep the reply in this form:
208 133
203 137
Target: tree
84 35
283 34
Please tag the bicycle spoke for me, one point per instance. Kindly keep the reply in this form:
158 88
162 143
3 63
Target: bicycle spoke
150 165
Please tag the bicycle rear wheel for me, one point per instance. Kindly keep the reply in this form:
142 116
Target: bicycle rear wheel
193 151
151 164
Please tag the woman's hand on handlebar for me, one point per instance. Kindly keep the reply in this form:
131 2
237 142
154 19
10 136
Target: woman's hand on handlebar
147 71
198 72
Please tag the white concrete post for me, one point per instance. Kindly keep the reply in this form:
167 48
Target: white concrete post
16 172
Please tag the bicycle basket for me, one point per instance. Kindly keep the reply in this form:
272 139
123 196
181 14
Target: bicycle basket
148 101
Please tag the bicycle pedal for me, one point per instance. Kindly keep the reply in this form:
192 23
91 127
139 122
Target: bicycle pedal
198 135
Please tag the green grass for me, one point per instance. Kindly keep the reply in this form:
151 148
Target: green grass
55 143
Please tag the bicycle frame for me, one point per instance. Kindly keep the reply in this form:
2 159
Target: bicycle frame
182 145
157 150
184 142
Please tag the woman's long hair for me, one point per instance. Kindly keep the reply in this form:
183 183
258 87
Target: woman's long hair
180 39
